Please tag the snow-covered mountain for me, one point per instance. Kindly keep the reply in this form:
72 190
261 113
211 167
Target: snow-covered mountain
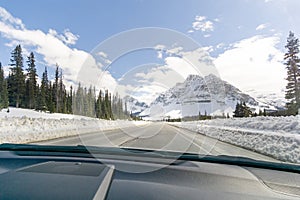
134 106
196 94
276 100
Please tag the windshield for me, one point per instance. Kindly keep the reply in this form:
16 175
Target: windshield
201 77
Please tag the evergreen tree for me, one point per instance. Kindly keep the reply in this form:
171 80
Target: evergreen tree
242 110
69 100
107 105
238 110
90 102
126 110
43 92
99 105
246 110
56 89
61 95
293 73
4 98
78 101
3 89
265 112
16 79
49 98
31 82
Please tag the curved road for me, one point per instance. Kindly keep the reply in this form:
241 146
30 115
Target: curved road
160 136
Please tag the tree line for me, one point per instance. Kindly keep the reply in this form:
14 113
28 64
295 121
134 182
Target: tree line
242 110
21 89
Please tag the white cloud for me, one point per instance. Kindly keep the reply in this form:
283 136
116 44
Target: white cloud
159 55
103 58
8 18
6 69
202 24
53 47
102 54
220 45
67 37
261 27
253 64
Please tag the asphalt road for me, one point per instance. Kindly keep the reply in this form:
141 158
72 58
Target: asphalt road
159 136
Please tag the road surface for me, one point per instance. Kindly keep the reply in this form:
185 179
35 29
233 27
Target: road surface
159 136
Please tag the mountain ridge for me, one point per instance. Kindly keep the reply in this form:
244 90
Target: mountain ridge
209 94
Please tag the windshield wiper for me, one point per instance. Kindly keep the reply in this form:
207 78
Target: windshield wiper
242 161
29 147
89 150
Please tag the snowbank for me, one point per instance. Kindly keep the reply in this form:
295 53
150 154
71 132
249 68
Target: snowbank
24 126
278 137
20 112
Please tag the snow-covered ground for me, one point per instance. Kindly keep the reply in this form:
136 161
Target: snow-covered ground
24 126
20 112
278 137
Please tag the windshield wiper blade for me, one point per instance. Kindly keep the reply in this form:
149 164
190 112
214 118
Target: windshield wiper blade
79 149
220 159
242 161
48 148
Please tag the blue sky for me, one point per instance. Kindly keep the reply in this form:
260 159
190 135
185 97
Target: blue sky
240 36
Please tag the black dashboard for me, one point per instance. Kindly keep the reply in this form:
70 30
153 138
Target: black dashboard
63 175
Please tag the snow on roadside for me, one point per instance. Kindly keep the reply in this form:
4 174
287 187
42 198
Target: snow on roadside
20 112
25 126
278 137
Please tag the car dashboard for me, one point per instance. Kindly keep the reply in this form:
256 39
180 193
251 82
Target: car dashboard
57 175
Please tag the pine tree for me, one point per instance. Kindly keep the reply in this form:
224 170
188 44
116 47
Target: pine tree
3 89
107 105
126 110
1 86
61 95
31 83
246 110
5 101
69 100
98 105
16 79
56 89
293 73
265 112
43 92
90 102
242 110
238 110
49 98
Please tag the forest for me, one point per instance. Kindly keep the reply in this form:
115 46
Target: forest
21 89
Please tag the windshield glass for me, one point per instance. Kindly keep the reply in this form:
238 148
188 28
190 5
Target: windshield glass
203 77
